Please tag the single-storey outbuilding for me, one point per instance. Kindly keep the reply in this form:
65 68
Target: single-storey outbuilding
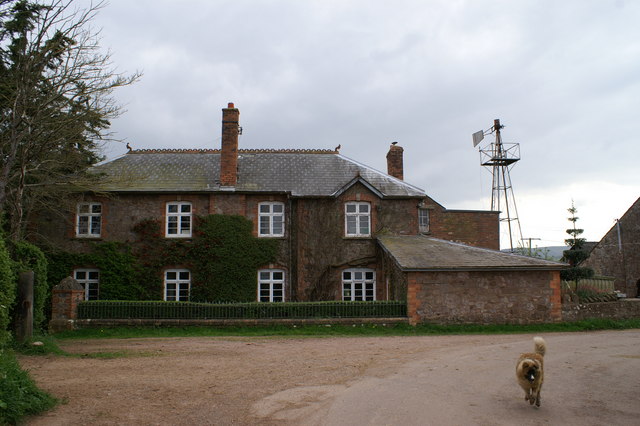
448 282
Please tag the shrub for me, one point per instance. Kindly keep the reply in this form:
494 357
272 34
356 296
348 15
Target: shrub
28 257
7 292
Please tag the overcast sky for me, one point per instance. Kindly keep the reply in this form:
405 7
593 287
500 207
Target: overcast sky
562 76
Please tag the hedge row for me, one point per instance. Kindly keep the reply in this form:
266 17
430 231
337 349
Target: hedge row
109 309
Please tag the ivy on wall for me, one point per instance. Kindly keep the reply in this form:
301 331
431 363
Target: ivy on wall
115 262
223 257
226 257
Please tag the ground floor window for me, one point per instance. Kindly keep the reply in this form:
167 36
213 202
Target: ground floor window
358 284
271 285
90 280
177 284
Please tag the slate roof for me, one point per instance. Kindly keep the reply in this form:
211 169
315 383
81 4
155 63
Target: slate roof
422 253
300 173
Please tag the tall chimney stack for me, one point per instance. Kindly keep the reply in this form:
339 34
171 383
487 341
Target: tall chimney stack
395 165
229 152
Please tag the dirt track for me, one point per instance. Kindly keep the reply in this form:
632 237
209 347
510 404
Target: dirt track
591 379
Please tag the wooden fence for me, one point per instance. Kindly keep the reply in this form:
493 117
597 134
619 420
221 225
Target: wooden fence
597 284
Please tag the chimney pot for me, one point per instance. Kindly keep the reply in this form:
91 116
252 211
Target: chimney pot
230 105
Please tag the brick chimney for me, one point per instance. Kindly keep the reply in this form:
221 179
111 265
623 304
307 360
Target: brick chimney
395 166
229 152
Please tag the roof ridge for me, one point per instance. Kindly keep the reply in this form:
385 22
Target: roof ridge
240 151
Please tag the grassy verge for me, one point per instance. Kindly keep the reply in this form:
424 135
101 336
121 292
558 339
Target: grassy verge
343 330
19 396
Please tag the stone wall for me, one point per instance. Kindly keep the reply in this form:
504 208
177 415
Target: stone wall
622 309
491 297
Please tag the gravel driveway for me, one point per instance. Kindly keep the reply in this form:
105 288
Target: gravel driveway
590 379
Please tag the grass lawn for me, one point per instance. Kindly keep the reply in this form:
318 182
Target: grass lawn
345 330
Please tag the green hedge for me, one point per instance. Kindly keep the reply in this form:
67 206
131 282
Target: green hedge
113 309
7 292
28 257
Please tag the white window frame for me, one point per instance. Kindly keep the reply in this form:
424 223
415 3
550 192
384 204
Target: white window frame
271 285
89 220
424 218
358 284
89 279
183 219
355 219
269 219
176 281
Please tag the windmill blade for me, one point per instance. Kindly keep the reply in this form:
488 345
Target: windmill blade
477 137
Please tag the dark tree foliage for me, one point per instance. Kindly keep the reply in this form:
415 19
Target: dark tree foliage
7 292
576 253
55 104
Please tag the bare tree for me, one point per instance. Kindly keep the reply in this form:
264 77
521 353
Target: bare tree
56 103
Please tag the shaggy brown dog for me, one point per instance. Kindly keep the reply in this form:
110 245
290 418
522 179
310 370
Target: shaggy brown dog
530 373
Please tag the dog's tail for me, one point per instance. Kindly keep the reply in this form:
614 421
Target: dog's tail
540 345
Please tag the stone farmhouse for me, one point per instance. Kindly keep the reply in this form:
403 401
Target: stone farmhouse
345 231
617 254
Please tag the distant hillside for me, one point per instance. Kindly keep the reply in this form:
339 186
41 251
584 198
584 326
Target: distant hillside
549 253
553 252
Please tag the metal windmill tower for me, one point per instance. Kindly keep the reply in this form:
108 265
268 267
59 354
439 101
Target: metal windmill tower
499 158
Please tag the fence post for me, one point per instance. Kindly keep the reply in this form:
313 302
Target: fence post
24 320
64 304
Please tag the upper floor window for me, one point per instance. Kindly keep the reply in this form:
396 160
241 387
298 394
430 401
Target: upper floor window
89 220
178 219
423 220
177 284
271 285
90 280
271 219
357 219
358 284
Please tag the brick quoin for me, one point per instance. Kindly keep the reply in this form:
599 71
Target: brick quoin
556 297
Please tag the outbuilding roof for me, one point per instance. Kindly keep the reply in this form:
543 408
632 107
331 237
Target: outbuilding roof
300 173
423 253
